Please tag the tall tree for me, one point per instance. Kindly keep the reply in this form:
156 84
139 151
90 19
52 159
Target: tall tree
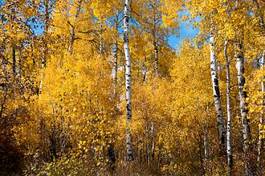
216 93
128 79
240 66
229 152
260 15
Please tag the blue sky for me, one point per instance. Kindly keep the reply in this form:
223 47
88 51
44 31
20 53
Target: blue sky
186 31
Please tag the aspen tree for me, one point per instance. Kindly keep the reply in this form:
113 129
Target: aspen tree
128 79
240 66
216 93
229 152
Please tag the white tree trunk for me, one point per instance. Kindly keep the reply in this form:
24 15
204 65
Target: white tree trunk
216 94
128 83
229 115
239 56
115 67
261 119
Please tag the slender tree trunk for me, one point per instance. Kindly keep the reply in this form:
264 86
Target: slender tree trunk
147 143
72 26
71 40
240 66
128 87
206 148
152 133
261 119
115 58
144 72
115 68
155 39
201 146
45 54
229 115
101 47
156 69
19 67
216 95
14 61
111 150
4 85
4 62
156 58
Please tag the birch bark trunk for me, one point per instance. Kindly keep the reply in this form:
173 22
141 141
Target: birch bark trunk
126 20
115 68
240 66
229 115
216 94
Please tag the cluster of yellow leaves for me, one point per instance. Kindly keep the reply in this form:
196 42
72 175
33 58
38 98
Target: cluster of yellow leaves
169 11
256 96
104 8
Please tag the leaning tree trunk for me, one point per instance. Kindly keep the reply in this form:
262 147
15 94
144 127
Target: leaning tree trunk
239 56
229 116
216 95
128 87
